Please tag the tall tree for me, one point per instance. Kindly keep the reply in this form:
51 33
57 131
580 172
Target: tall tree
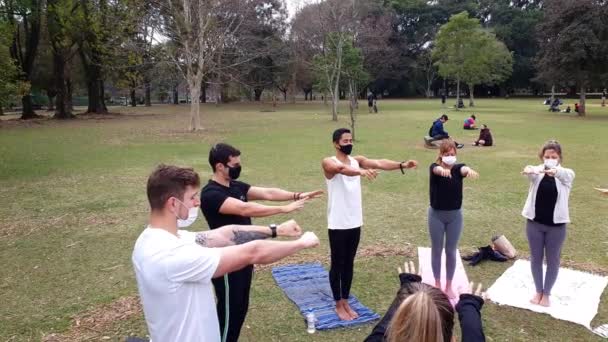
25 17
355 76
488 61
64 17
573 40
9 83
515 24
95 35
459 46
206 36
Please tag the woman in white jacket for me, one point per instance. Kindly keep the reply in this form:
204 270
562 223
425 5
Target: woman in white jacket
546 210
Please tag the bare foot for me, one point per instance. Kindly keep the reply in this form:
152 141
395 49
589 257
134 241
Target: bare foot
536 299
341 312
353 314
450 293
545 301
438 283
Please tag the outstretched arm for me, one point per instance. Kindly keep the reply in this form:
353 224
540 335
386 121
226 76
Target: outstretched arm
234 258
237 234
385 164
233 206
276 194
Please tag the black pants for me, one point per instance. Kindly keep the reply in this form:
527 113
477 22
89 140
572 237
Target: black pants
343 244
239 284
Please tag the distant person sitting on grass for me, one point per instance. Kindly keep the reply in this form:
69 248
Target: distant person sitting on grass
469 123
567 110
577 107
436 132
555 105
485 137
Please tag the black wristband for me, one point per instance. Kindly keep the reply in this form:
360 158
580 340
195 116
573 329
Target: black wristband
273 228
401 167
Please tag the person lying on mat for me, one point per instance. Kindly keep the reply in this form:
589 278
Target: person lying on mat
546 211
344 211
423 313
445 211
174 267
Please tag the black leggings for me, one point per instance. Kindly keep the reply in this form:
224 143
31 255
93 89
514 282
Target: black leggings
239 284
343 244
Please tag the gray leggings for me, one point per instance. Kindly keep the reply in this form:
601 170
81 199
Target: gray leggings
545 241
446 223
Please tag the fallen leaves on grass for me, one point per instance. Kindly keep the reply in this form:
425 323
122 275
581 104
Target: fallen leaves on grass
93 324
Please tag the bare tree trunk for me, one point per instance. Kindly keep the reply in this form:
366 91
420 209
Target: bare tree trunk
335 100
457 93
51 102
257 92
324 98
175 94
195 93
351 107
581 108
294 86
552 94
133 98
471 96
63 109
204 92
1 110
147 93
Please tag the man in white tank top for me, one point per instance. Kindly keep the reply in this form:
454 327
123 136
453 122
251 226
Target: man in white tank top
345 211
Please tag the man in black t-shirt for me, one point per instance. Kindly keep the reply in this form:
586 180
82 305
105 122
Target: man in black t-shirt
225 201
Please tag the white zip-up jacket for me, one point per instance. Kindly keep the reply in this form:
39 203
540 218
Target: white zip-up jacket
564 178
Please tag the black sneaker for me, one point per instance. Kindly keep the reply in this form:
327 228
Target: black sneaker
460 146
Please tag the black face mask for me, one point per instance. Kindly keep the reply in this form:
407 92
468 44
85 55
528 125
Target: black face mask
346 149
234 171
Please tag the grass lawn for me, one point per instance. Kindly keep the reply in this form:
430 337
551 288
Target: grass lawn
73 202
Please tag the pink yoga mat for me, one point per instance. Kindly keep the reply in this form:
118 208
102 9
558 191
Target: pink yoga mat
460 276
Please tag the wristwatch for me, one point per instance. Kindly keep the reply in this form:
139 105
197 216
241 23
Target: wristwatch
273 228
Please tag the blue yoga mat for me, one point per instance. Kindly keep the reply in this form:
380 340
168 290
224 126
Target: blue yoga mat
307 285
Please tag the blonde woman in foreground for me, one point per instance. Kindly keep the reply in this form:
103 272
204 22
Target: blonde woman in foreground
423 313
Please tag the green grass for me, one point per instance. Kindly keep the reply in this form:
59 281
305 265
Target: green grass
73 202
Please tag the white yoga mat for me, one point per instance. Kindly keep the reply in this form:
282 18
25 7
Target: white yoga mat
575 297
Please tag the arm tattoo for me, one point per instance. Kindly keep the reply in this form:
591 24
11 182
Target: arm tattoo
241 237
202 239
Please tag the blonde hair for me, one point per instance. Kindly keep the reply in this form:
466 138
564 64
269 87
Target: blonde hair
446 146
425 316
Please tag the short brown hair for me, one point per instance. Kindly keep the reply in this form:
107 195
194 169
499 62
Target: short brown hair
168 181
551 145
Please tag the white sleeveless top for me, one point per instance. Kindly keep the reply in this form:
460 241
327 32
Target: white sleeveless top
344 208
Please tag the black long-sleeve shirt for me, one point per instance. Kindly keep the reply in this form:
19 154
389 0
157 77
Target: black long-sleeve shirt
468 308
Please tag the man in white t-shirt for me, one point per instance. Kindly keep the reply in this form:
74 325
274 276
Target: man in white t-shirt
174 267
345 213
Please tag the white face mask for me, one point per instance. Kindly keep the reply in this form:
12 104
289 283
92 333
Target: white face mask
448 160
551 163
192 215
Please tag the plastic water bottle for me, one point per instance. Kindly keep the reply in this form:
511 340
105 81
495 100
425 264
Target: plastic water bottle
310 322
